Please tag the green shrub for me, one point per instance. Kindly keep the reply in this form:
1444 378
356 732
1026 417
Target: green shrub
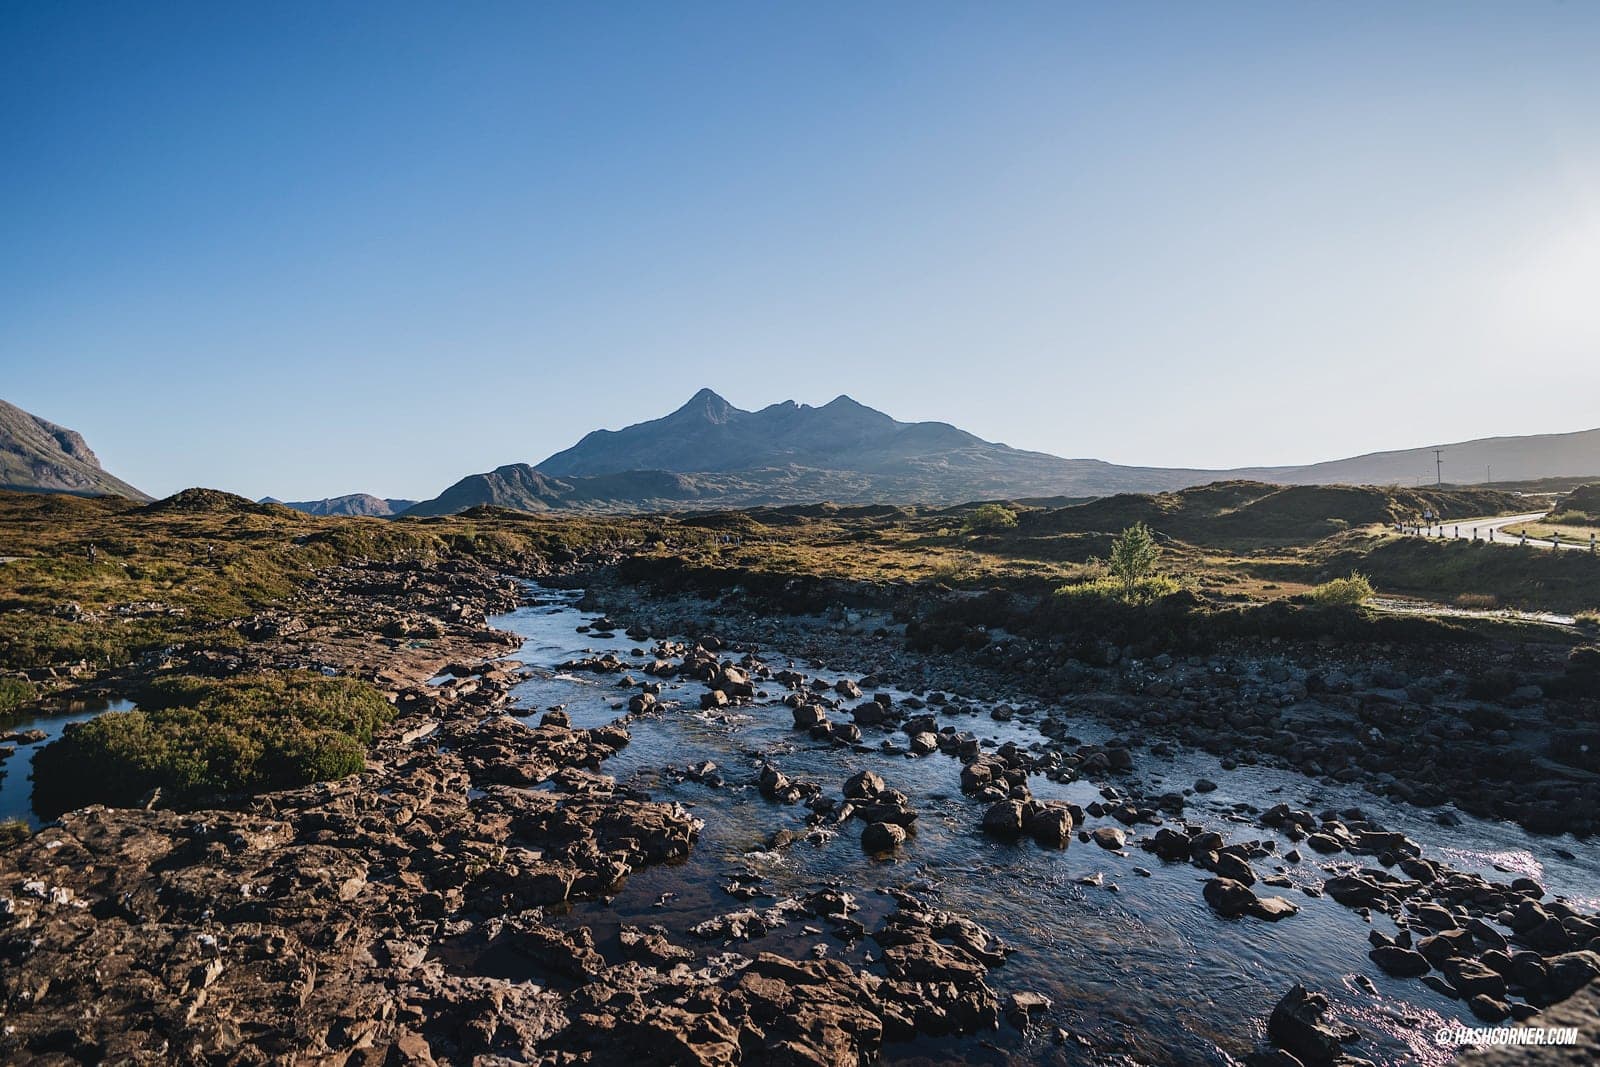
989 517
13 832
1342 592
1140 590
14 692
1133 557
197 736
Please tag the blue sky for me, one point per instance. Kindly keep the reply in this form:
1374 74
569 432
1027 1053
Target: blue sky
305 249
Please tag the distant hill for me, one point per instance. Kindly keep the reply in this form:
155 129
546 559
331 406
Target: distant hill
1256 513
710 454
349 504
41 457
1486 459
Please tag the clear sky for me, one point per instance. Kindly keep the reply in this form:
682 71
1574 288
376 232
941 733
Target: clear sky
303 249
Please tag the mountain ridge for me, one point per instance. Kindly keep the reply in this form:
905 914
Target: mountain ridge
707 453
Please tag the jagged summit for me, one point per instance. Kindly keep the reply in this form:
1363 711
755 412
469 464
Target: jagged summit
707 405
708 434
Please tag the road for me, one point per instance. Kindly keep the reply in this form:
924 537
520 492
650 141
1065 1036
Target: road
1493 529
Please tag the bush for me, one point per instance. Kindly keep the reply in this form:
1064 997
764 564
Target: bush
1144 589
1133 557
13 832
989 517
14 692
1342 592
196 737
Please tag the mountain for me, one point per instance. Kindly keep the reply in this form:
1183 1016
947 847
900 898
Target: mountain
349 504
41 457
710 454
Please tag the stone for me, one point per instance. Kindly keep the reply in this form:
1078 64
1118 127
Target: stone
1004 820
1399 962
1050 825
1109 838
863 784
882 837
1297 1025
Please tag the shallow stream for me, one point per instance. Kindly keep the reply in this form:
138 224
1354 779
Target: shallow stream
1136 964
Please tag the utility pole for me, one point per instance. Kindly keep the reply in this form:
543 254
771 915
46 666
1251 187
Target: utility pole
1488 475
1438 466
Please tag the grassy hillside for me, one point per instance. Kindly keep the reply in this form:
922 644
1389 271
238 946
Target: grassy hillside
1252 514
176 571
173 570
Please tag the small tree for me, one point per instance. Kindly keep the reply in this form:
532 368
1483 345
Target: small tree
1133 556
991 517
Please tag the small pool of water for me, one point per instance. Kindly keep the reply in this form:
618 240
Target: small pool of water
16 787
1124 946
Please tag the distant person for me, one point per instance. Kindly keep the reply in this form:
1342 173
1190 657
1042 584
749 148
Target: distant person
94 554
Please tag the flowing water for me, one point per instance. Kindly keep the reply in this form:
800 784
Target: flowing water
1137 964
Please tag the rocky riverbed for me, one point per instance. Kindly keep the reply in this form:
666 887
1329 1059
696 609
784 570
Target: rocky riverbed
720 838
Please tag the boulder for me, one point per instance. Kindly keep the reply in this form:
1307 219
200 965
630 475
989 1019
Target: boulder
1050 825
1399 962
1004 820
863 784
1297 1026
1109 838
882 837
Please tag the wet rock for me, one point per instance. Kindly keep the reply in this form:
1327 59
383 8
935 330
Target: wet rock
882 837
1353 891
1109 838
1399 962
1233 900
1004 820
1298 1026
1566 974
1168 844
1050 825
775 785
1227 865
1023 1007
1471 978
1488 1008
809 716
863 785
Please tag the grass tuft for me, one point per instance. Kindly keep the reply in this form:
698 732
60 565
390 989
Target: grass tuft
1342 592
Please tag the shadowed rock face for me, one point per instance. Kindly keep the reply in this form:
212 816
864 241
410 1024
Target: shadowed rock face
41 456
